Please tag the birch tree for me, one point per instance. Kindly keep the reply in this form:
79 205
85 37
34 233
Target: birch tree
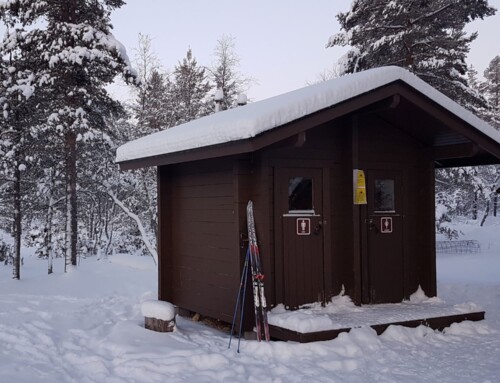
224 72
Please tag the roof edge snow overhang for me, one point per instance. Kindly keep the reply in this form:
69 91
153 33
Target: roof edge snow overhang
269 137
489 149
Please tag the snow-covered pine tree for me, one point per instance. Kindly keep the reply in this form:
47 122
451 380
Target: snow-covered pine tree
190 90
16 101
425 36
155 104
466 191
456 192
472 79
491 88
475 85
488 177
73 57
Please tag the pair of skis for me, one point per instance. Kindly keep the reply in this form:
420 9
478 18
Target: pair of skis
252 261
259 297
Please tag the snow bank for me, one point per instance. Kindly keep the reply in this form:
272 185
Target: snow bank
87 326
255 118
158 310
133 261
470 268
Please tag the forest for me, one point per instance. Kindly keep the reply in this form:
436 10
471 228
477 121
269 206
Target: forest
61 191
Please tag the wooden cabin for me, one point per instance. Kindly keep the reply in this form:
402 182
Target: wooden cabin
294 156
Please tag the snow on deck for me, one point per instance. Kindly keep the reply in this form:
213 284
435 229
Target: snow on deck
256 118
341 313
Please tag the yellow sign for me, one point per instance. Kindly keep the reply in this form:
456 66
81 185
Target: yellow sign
361 179
360 198
359 184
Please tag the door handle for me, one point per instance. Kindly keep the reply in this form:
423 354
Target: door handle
318 228
372 226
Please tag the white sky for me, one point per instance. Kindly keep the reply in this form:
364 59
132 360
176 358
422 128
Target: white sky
281 43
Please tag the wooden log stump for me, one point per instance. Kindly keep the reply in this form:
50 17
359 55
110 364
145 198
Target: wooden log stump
159 325
158 316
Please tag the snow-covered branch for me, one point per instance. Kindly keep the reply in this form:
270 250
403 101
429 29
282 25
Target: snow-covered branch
431 14
140 226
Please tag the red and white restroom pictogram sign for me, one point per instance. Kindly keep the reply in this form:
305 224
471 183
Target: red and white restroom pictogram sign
303 226
386 225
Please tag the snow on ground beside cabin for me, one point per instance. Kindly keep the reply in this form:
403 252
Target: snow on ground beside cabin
87 326
474 277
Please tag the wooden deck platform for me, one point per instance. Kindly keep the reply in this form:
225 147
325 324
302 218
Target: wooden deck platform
437 323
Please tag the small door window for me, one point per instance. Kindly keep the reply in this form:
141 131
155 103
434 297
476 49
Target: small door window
300 194
384 196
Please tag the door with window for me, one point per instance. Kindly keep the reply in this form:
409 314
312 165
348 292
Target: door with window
300 208
385 237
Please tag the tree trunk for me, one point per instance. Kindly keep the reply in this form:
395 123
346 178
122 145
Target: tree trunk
66 236
16 264
109 233
48 226
91 223
108 225
68 14
48 238
71 202
486 212
474 207
495 205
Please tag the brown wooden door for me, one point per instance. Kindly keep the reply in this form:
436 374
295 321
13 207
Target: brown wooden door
301 211
385 237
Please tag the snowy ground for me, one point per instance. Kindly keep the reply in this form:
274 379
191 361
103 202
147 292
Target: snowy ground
86 326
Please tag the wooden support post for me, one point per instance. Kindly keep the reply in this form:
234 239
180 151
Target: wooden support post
356 220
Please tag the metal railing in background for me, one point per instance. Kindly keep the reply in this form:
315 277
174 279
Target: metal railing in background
458 247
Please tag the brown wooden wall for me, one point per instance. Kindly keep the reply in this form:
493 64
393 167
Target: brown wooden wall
199 242
203 215
383 146
324 148
365 142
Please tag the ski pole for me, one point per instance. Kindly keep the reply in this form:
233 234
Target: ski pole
243 273
243 302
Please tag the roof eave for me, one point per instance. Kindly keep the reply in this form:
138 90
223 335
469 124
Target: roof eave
361 103
271 136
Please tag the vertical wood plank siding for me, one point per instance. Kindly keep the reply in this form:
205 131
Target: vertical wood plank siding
203 213
385 146
204 262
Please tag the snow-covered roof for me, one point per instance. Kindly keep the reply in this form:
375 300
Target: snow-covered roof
253 119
